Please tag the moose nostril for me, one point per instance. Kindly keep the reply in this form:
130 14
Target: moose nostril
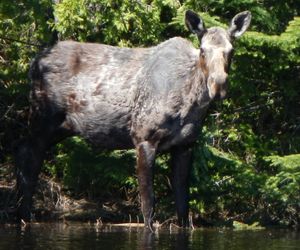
218 86
217 96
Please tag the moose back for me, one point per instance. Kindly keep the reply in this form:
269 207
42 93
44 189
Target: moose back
151 99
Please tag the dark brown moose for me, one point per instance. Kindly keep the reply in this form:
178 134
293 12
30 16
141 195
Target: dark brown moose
151 99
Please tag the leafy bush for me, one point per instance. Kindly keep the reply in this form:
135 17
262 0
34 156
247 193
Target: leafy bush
281 190
90 174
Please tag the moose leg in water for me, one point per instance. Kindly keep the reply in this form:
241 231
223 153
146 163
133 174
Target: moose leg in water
145 163
181 161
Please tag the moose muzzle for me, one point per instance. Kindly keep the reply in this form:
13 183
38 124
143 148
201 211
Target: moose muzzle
217 86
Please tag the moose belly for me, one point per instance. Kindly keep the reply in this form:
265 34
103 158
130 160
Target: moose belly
185 136
104 129
110 138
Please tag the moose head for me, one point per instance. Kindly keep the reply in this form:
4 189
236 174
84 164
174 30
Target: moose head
216 49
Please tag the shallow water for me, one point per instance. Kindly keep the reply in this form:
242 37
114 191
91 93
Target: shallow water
85 236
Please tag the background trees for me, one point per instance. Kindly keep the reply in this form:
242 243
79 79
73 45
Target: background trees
247 161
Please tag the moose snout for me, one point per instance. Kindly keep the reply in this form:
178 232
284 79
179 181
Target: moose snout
217 86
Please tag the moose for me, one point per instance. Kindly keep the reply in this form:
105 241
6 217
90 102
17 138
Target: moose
150 99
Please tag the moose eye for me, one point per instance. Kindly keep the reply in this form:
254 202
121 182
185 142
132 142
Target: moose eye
202 53
228 55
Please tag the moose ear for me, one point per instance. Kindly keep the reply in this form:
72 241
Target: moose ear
239 24
194 23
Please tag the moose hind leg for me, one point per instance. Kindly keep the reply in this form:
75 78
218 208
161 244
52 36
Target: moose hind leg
181 160
145 163
29 159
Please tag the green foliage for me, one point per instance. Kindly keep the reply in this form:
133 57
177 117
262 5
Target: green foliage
94 175
23 28
269 16
222 182
281 191
224 187
123 23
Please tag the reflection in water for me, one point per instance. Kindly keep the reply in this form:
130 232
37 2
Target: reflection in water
145 240
163 240
85 236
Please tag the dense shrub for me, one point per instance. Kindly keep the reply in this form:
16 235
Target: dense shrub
247 159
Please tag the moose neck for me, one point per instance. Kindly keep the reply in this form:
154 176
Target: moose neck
195 96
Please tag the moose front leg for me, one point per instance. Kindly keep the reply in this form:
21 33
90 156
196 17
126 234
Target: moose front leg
181 161
145 162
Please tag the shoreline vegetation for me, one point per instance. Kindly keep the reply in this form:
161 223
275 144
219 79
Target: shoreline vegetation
52 204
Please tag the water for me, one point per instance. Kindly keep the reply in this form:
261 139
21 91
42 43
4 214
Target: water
84 236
